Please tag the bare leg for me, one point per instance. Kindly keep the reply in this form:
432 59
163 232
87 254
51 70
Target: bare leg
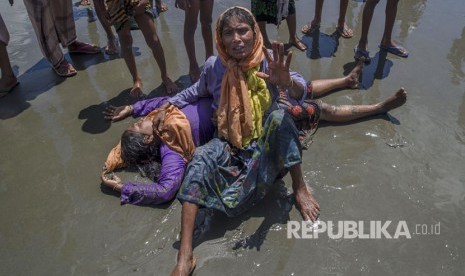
266 40
318 10
149 31
293 39
310 27
8 77
305 202
346 113
190 26
112 47
342 27
322 87
186 259
126 52
206 11
391 11
368 11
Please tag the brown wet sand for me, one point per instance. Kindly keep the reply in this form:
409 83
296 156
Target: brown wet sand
407 166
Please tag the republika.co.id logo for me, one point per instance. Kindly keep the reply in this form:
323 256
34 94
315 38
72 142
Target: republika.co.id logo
347 229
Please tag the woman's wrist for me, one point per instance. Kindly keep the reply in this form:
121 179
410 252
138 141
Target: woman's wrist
290 85
131 109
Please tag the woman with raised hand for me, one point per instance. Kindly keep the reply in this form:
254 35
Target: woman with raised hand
256 143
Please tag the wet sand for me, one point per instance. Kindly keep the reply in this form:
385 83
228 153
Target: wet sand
406 166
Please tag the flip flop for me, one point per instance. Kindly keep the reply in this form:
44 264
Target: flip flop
309 30
345 32
65 69
299 45
84 48
395 50
362 53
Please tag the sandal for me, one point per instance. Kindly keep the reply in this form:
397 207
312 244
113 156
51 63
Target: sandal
309 30
78 47
395 50
65 69
345 32
362 53
299 45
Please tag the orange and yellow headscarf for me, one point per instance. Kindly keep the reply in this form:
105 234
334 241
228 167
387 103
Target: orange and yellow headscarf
244 96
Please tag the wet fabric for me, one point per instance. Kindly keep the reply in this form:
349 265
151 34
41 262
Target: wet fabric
244 96
267 10
306 115
233 181
209 85
199 115
122 10
4 35
53 24
176 132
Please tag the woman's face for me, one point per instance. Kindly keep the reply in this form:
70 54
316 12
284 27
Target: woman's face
237 38
143 126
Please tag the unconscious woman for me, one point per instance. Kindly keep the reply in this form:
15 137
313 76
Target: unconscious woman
159 155
258 140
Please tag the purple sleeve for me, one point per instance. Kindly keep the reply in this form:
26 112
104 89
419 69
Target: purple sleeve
204 87
169 181
144 107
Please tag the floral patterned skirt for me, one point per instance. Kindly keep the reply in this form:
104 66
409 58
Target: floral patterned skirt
231 180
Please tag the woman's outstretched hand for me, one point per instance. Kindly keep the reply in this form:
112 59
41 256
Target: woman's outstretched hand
278 66
117 113
159 119
110 179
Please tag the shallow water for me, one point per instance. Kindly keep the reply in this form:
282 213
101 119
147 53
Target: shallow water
407 166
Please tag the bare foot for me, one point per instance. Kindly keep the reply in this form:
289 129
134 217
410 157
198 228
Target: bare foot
170 86
296 42
112 46
184 267
352 78
194 74
136 90
394 101
306 203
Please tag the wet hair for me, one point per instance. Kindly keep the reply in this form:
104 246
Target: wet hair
236 12
145 156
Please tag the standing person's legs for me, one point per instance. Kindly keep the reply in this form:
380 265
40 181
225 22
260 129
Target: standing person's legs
206 11
314 25
8 79
186 260
112 44
147 26
342 27
346 113
42 20
190 26
293 39
126 52
362 47
266 40
386 42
